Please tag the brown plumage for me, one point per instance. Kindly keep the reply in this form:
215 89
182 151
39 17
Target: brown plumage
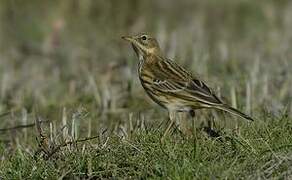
170 85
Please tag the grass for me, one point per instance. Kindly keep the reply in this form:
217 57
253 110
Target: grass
64 64
260 150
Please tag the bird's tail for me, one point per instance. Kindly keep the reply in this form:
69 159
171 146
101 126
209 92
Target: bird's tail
234 111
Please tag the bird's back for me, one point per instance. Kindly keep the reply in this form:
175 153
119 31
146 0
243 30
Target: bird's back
173 87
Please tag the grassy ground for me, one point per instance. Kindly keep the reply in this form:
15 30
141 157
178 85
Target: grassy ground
64 67
261 150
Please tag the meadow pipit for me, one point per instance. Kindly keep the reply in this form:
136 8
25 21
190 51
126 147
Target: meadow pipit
170 85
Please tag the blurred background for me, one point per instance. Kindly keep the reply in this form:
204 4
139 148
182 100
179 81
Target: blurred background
67 58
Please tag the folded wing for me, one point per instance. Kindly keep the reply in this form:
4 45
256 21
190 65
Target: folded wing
183 86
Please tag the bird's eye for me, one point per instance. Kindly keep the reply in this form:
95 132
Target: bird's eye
144 37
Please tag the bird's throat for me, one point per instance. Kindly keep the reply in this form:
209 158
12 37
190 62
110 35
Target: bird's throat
141 62
137 50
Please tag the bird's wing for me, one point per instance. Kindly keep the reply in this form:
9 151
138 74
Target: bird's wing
199 89
173 79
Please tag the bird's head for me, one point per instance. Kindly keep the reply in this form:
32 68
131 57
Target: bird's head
144 44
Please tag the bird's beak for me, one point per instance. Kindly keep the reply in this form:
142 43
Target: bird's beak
128 38
136 46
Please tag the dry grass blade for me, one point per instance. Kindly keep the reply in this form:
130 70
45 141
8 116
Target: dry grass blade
3 130
50 147
42 139
57 148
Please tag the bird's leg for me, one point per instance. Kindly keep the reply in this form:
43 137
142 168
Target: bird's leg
192 113
171 115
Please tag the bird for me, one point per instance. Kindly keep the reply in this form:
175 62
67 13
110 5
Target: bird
170 85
